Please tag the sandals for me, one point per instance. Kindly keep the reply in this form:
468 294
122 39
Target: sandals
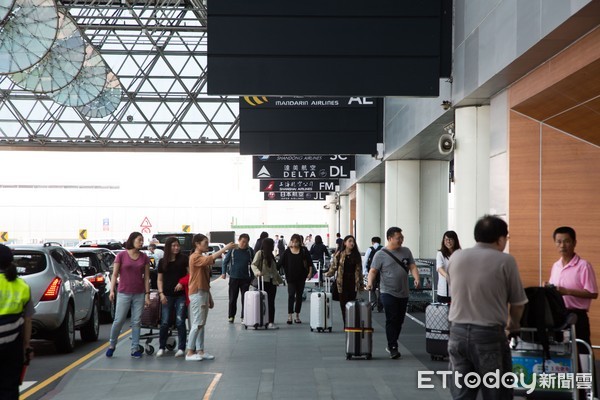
297 320
289 321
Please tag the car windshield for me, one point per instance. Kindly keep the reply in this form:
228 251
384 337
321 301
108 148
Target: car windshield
86 263
185 240
29 262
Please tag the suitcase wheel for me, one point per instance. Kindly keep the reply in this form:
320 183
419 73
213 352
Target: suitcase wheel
171 344
246 327
329 329
319 329
369 356
311 329
348 356
149 349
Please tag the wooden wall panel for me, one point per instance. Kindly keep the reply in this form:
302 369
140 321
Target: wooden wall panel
524 200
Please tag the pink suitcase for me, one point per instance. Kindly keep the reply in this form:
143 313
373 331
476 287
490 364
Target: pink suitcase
256 307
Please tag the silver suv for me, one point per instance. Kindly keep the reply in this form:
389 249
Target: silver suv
64 301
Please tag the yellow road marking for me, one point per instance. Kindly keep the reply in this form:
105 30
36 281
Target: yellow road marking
68 368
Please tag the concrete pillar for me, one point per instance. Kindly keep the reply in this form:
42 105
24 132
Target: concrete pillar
345 223
368 214
471 169
332 220
434 205
402 198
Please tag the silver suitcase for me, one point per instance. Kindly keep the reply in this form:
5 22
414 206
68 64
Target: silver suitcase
320 310
256 307
359 329
437 330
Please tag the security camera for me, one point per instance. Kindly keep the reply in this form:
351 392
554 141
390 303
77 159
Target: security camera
446 144
326 206
129 118
446 104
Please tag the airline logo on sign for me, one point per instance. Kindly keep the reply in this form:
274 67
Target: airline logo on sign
295 195
303 167
308 102
271 185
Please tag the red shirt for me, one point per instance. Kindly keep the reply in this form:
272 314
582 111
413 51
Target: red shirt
131 272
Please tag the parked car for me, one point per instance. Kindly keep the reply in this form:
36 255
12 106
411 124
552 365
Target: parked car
104 244
185 240
97 266
218 265
64 301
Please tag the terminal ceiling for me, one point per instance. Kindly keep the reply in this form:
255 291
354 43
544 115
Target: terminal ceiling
158 51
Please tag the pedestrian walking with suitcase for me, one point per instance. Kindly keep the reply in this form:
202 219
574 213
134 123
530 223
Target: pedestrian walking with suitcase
171 268
237 264
393 263
132 271
201 301
297 265
264 266
348 265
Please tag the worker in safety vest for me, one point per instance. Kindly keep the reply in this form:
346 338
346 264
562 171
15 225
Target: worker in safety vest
16 310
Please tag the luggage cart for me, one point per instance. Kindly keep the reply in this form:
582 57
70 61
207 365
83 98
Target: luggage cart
151 317
420 298
559 376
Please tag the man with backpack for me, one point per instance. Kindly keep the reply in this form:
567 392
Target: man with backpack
575 279
237 262
371 251
486 293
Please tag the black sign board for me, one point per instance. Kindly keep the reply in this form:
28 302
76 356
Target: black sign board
334 159
295 195
310 125
300 170
309 185
329 47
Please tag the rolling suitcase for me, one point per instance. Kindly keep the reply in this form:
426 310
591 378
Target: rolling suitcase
359 330
320 310
256 307
437 330
151 313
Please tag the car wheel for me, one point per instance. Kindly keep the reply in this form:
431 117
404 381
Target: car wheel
65 334
91 329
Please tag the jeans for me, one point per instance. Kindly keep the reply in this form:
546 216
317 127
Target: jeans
395 311
295 292
236 287
479 349
126 301
176 303
198 315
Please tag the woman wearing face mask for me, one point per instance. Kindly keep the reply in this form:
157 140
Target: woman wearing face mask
171 268
297 264
348 265
449 245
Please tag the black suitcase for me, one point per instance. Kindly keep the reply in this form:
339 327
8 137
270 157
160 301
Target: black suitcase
437 330
359 329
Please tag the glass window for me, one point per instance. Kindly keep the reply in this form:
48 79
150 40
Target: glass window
29 262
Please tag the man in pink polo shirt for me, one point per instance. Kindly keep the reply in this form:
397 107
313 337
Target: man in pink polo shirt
575 279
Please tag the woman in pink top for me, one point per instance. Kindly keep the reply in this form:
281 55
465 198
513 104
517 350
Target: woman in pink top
199 294
131 269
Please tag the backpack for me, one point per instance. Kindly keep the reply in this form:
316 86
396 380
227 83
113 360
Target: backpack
546 313
371 255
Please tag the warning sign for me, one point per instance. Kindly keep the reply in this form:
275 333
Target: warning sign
3 236
146 225
82 234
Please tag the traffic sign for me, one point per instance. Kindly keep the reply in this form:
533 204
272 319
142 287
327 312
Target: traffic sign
3 236
186 228
309 185
83 234
295 195
146 225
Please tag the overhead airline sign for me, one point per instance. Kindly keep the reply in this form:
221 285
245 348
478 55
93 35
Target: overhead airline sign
309 185
295 195
300 170
310 125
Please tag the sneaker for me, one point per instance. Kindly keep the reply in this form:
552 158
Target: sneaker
137 354
230 320
394 353
242 321
160 353
109 352
207 356
272 326
180 353
193 357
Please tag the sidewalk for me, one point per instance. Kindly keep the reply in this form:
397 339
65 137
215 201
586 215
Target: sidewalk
289 363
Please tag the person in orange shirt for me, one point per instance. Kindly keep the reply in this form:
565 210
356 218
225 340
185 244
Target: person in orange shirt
199 294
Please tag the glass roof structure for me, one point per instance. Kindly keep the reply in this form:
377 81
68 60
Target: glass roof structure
158 51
